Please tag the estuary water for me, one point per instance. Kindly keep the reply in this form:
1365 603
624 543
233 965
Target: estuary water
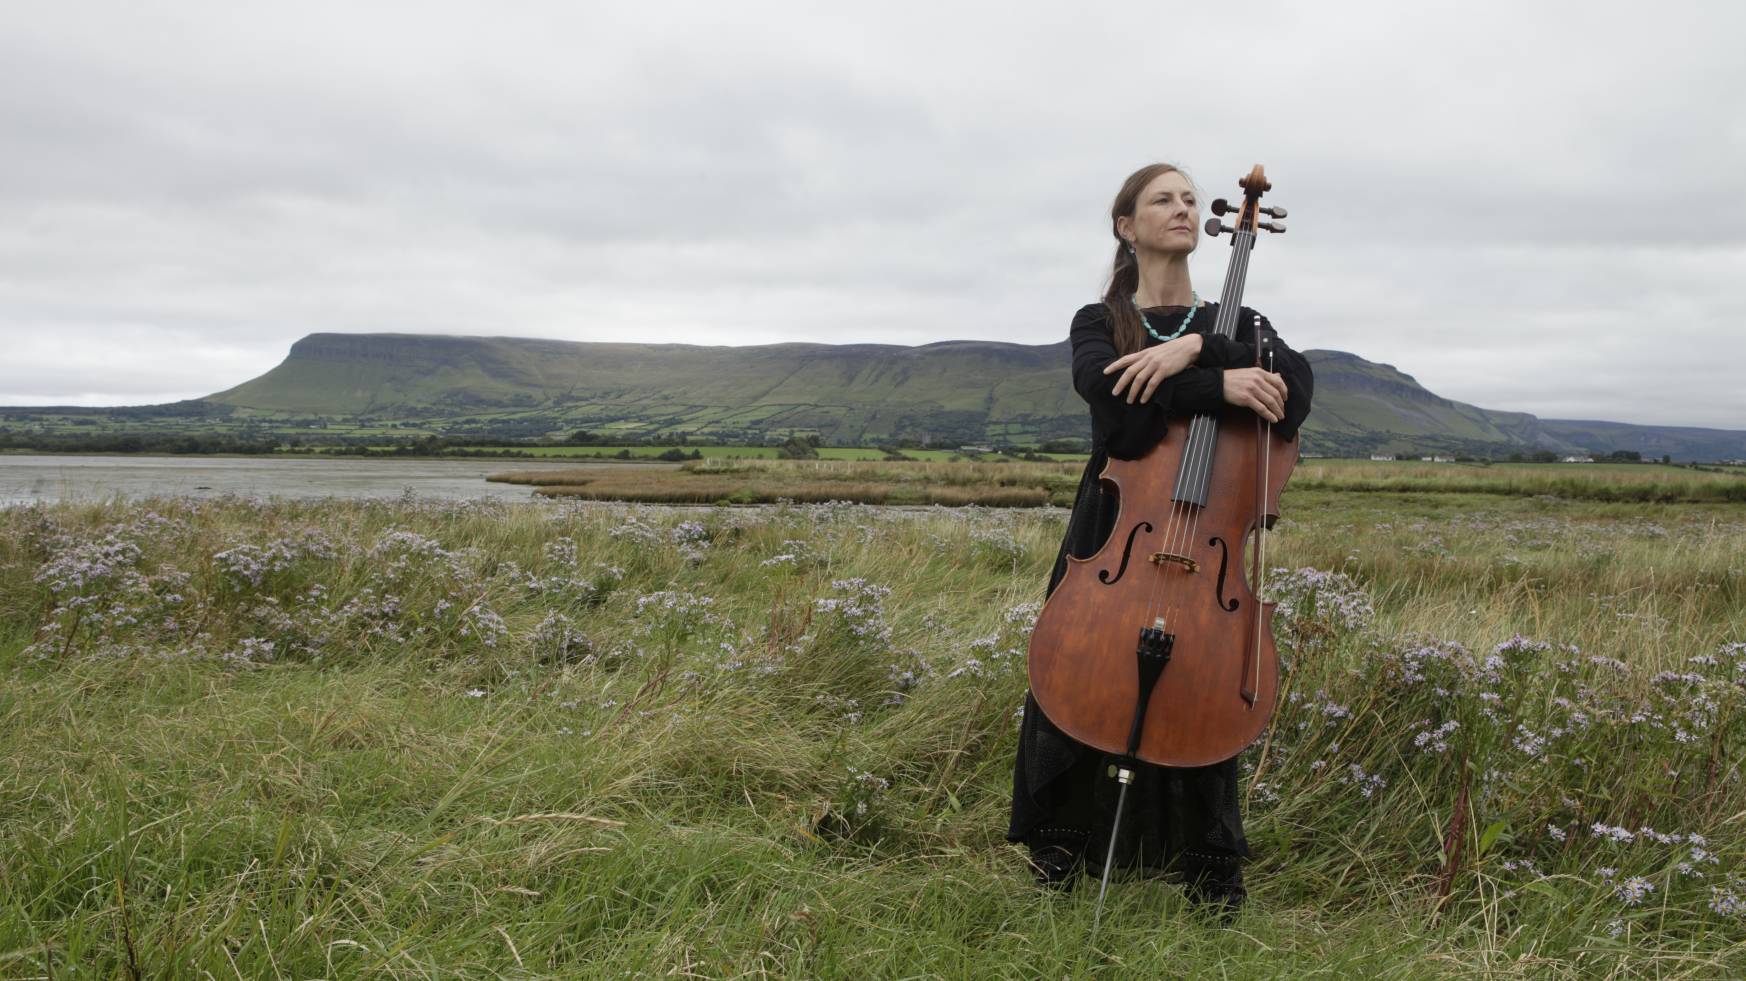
55 477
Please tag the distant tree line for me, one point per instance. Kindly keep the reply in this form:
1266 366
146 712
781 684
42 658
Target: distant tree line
255 439
1616 456
799 448
590 437
196 443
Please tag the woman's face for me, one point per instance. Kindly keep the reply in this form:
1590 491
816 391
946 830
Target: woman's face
1166 217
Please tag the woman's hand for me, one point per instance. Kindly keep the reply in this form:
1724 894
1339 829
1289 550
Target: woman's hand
1255 388
1144 369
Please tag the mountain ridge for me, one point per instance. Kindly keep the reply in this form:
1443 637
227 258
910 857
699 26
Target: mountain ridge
970 391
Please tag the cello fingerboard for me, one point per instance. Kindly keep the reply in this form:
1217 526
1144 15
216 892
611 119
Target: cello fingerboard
1195 476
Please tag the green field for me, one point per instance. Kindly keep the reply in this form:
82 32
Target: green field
752 452
407 739
1000 481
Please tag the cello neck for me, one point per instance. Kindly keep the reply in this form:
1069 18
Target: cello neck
1242 243
1231 299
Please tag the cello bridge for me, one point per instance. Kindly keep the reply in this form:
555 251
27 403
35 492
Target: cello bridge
1162 558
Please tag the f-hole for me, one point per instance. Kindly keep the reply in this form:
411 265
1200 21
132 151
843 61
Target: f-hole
1128 549
1224 560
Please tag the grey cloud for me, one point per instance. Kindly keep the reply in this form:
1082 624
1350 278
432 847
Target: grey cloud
1472 202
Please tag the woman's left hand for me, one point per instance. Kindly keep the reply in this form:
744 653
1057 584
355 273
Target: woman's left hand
1144 369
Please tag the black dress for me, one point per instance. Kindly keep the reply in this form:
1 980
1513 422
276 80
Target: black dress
1183 819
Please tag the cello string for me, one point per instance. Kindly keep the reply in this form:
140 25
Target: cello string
1228 313
1159 596
1205 435
1169 535
1202 434
1176 517
1195 468
1156 573
1241 263
1192 452
1194 465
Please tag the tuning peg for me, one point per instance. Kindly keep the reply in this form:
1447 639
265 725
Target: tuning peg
1214 227
1273 212
1271 227
1222 207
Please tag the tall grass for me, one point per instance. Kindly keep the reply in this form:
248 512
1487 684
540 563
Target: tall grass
565 738
1577 481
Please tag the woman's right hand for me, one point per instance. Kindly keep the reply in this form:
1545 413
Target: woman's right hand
1254 388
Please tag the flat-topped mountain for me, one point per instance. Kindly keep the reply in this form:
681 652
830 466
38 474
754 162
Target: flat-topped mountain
966 391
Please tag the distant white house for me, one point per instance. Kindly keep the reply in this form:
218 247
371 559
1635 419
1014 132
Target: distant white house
1438 459
1578 459
1382 456
976 449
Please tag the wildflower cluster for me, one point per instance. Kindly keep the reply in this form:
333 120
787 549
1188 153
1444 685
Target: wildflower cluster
556 639
906 670
997 546
560 552
677 614
692 539
407 553
985 657
1313 608
80 567
637 532
794 553
857 615
563 589
1023 617
480 622
251 650
100 589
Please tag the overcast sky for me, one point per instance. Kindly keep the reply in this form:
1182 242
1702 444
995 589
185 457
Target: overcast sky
1527 206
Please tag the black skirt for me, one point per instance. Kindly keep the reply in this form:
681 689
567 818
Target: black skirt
1182 818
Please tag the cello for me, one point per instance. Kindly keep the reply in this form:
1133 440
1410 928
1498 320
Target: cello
1157 648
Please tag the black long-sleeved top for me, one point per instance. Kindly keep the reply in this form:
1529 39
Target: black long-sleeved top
1128 431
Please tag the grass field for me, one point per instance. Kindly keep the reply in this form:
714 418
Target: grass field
405 739
1586 481
1015 483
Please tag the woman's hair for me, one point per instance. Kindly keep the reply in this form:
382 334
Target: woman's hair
1124 276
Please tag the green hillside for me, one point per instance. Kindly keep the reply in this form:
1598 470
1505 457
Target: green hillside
388 388
852 393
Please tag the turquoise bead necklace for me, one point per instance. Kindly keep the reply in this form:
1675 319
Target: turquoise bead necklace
1193 305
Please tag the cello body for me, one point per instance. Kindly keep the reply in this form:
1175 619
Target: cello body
1081 654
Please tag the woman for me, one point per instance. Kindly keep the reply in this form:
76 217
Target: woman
1141 356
